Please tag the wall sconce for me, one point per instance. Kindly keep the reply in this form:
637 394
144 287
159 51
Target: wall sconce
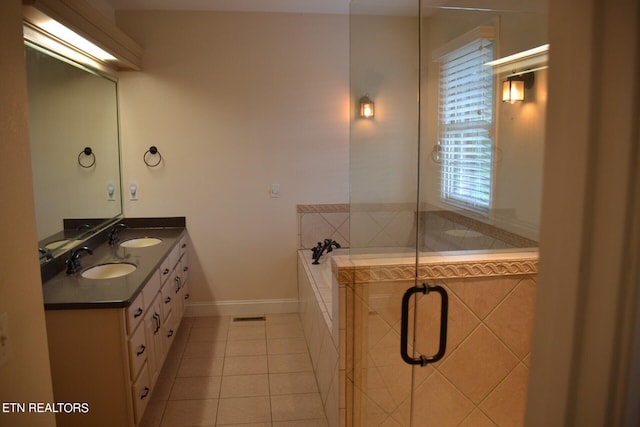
367 108
513 88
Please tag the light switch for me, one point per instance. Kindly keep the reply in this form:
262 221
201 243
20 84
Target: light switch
274 191
111 191
133 191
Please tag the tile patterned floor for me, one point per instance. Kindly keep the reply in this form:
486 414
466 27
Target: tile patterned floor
222 372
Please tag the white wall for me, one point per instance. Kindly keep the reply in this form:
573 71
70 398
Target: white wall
26 377
236 102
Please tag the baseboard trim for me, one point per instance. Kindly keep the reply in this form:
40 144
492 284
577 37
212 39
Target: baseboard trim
241 307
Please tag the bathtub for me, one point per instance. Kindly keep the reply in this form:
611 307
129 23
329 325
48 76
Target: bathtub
319 311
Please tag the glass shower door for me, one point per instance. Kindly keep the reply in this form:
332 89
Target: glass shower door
438 339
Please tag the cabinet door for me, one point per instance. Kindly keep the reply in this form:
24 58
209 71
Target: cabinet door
153 331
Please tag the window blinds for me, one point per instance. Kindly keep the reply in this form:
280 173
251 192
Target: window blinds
466 125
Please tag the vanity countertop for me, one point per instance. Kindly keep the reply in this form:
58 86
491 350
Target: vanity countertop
72 291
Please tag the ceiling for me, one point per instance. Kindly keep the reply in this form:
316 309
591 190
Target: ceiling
291 6
401 7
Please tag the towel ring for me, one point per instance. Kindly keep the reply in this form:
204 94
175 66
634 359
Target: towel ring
88 152
153 150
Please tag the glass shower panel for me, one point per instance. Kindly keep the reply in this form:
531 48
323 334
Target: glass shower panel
481 157
442 170
384 59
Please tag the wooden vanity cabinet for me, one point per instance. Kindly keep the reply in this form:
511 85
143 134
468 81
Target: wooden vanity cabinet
110 358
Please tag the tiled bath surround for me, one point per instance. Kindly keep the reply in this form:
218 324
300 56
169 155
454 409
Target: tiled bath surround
393 225
481 380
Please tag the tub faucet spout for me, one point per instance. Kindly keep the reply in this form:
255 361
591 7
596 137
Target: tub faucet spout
327 246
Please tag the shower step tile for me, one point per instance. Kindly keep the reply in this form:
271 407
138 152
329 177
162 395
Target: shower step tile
484 295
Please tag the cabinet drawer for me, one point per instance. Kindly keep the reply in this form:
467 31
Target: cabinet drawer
168 298
141 394
152 287
137 351
135 313
184 262
165 270
168 332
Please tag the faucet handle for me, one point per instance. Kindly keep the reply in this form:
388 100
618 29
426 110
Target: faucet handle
73 263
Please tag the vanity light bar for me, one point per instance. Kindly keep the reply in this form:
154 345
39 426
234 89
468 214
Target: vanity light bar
58 30
38 38
525 59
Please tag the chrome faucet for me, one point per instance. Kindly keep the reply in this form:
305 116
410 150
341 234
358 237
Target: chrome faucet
113 233
73 263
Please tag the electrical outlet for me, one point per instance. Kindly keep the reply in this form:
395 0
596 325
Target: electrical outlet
5 349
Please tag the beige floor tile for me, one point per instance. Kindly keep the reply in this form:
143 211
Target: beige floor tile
292 383
292 407
208 334
283 318
245 385
286 345
201 367
285 330
244 410
210 321
185 388
301 423
281 363
245 365
180 413
246 348
204 349
246 331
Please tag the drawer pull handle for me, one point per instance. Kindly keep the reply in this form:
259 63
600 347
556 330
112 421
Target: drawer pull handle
165 271
138 313
141 350
187 296
168 300
156 317
144 393
170 334
184 245
185 269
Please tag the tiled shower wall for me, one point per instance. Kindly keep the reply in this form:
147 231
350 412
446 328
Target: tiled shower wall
482 379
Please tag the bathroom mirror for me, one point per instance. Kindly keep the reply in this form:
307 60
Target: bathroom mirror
73 127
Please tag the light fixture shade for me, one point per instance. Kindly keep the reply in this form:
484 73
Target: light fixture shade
367 108
513 90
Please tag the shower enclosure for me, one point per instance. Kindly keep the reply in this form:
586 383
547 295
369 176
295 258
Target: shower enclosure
446 174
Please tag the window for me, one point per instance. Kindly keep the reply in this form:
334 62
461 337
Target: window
465 145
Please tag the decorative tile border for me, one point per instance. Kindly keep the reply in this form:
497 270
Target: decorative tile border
323 208
349 274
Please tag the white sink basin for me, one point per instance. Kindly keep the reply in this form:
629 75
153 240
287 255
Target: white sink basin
109 271
141 242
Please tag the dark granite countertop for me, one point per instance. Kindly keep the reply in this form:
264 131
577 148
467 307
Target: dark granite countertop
73 291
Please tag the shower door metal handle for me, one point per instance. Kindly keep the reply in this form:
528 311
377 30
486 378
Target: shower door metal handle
404 326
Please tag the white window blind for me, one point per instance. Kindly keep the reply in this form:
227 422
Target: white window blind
466 125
